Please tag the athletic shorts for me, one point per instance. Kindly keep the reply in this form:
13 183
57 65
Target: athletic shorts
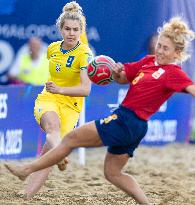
68 117
122 131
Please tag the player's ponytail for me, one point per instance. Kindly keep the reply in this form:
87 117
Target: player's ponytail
72 7
71 11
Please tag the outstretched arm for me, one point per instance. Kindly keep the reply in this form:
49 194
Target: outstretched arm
119 74
191 89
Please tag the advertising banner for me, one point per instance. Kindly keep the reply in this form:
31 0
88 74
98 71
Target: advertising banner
20 136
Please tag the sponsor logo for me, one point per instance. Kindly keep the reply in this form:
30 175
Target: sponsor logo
136 80
161 130
158 73
11 141
53 55
39 110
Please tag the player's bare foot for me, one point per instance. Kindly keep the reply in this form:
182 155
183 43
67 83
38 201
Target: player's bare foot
22 194
17 171
63 164
27 197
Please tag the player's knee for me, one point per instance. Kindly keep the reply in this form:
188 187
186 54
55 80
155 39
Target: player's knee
52 127
111 174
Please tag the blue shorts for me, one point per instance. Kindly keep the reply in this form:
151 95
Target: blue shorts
122 131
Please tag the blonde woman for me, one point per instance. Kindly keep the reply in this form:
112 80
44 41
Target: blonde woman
58 106
153 80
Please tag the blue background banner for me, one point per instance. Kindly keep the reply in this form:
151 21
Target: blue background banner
21 137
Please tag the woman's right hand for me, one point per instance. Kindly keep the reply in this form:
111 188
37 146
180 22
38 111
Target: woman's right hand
53 88
118 73
117 68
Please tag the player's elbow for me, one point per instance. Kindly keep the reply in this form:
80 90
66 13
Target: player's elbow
86 94
120 78
191 89
193 94
121 81
86 91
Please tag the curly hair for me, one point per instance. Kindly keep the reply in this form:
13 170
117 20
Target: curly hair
177 30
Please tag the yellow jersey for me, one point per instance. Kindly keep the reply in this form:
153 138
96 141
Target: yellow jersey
64 68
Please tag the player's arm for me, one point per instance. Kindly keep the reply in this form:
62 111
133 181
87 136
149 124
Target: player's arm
82 90
119 74
190 89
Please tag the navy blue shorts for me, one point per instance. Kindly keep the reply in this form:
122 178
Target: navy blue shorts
122 131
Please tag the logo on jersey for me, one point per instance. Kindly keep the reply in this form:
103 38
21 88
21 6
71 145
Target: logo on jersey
53 55
158 73
58 66
40 110
135 81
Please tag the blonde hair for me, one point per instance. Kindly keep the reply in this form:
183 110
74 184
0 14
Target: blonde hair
177 30
71 11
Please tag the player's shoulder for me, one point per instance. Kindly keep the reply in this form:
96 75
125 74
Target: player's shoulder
84 48
173 69
148 58
54 44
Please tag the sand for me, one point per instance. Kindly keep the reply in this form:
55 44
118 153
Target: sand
167 175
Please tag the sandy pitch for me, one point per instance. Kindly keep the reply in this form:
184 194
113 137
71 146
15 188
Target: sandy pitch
167 175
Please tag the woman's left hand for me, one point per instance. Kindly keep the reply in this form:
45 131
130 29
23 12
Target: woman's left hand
52 88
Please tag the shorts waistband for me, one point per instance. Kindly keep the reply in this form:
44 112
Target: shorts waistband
131 111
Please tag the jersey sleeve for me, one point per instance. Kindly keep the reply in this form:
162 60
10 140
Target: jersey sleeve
133 68
51 48
49 51
85 58
177 80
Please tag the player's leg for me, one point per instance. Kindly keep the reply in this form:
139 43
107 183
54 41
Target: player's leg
69 119
84 136
37 179
113 172
51 125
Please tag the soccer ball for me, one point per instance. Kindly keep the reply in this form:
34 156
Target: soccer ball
100 70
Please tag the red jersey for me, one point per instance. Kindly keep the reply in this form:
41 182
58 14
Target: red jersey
151 85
